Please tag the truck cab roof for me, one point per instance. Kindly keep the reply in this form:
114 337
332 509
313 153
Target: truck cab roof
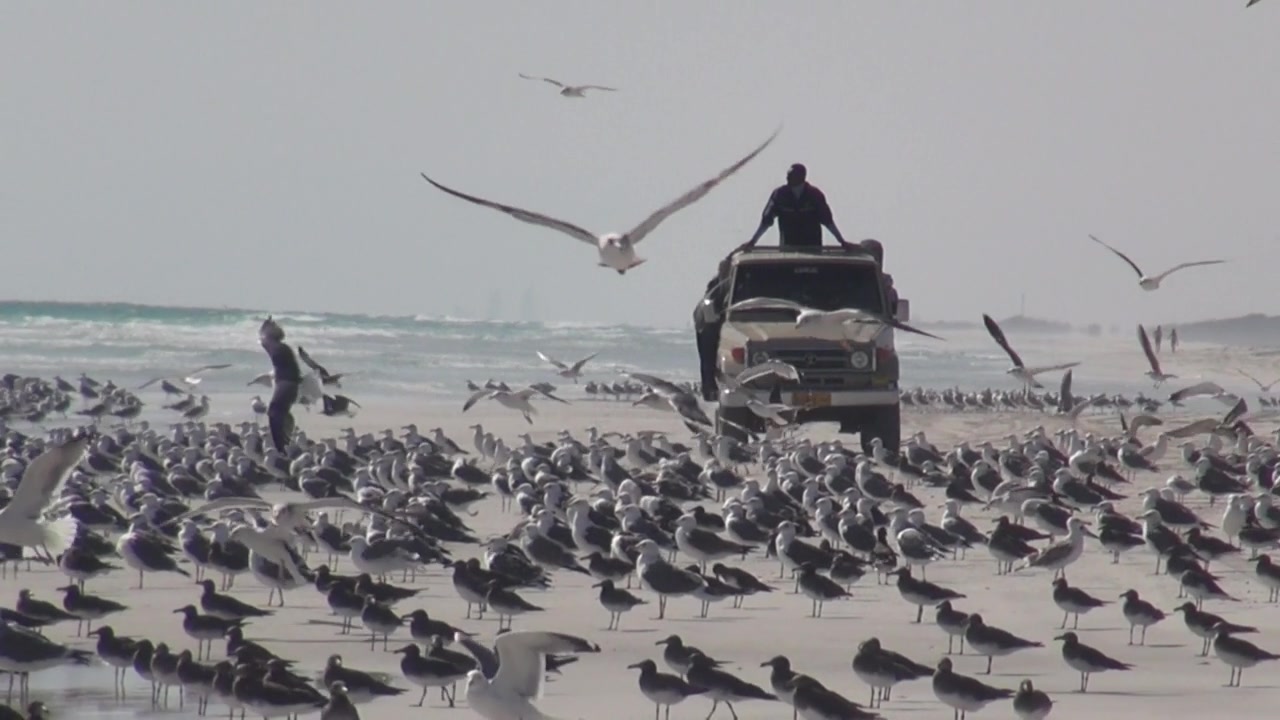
773 253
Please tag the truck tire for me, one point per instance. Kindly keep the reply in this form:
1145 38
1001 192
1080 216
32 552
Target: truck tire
886 424
737 418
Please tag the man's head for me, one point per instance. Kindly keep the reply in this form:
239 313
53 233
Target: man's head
796 175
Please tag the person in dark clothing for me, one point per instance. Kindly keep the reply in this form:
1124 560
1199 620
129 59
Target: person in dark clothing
801 211
708 317
287 382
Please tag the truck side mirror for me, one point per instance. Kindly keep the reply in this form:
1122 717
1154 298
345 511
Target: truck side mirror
902 310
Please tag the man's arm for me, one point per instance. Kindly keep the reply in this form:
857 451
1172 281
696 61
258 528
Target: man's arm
766 221
826 218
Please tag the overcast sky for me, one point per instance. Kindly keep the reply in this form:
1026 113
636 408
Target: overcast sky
266 154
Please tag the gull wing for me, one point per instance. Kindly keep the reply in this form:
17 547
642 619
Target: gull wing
1146 348
783 370
665 387
476 396
1199 427
1051 368
650 223
227 503
577 367
521 659
1080 407
557 83
1203 388
1122 256
306 358
854 315
597 87
524 215
758 303
1255 380
998 335
44 477
1065 399
1236 412
540 391
1176 268
688 408
548 359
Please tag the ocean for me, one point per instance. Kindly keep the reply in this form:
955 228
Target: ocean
402 358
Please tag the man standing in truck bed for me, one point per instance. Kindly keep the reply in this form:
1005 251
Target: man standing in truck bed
801 211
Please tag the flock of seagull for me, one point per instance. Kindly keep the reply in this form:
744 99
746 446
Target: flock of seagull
643 520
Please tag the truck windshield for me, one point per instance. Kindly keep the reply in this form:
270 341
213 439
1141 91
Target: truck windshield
821 286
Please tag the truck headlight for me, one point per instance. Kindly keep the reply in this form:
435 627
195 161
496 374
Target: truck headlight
859 360
759 357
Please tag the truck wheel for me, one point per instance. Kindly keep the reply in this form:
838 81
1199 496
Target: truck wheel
885 424
737 418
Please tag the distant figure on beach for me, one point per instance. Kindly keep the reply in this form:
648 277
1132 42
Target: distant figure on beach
287 381
1157 337
1173 340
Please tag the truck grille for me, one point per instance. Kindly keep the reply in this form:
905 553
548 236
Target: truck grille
819 363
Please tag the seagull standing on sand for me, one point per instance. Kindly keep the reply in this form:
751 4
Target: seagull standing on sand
1026 374
616 250
1153 283
569 372
521 671
572 91
22 521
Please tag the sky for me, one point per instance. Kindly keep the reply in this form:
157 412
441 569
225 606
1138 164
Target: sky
267 155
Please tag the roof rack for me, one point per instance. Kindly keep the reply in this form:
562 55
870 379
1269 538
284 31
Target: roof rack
823 250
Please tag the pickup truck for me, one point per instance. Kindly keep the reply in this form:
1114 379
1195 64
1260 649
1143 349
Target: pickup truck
849 376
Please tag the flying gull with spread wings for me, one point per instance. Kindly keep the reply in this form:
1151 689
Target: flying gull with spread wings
829 320
682 401
518 400
509 695
573 91
326 378
22 521
1155 373
571 372
1263 387
1153 282
616 250
1019 370
191 377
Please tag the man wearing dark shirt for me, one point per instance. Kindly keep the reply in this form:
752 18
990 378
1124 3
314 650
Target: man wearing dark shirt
801 211
287 377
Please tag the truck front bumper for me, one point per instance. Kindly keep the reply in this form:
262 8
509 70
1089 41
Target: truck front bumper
816 399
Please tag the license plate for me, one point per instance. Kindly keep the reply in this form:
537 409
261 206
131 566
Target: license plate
811 399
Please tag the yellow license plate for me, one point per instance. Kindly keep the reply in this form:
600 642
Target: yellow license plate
812 399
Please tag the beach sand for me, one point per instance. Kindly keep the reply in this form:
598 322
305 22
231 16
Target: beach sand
1168 678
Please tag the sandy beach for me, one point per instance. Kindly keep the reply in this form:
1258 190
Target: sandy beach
1168 677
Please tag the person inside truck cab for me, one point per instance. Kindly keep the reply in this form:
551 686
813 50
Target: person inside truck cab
801 211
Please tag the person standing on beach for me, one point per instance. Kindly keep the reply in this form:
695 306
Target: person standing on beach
287 376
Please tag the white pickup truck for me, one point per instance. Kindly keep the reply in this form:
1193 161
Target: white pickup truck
847 375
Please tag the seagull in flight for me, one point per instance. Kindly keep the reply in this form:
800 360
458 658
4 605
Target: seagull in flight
1026 374
191 378
1155 373
521 674
616 250
22 521
573 91
832 320
571 372
325 377
1261 386
518 400
679 399
1153 283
